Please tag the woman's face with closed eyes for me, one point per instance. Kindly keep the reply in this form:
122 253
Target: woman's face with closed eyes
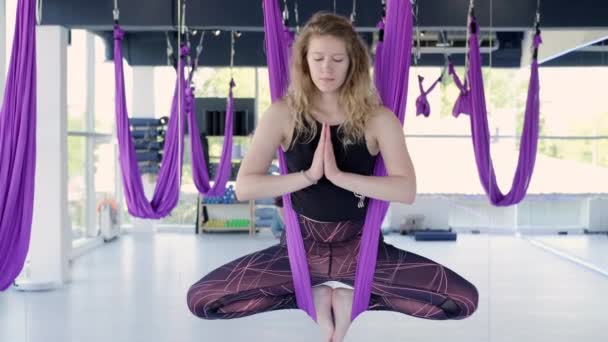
328 62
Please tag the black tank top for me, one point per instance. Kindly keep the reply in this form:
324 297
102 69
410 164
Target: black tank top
324 201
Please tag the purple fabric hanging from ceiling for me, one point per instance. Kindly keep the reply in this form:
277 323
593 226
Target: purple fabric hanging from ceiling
422 103
18 147
277 55
392 81
463 102
392 55
481 136
166 193
199 167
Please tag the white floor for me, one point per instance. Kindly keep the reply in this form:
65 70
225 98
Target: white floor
134 289
592 249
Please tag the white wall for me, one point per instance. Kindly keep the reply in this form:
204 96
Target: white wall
536 213
598 214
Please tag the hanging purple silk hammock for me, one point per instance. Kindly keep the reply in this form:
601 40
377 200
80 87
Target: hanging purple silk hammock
166 193
393 54
481 135
18 147
199 167
422 103
396 55
463 102
277 44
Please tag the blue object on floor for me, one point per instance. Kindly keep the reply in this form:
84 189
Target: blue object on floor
263 222
435 236
268 213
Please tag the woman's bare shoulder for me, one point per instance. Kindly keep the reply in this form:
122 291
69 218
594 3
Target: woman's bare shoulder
278 112
278 107
381 117
278 117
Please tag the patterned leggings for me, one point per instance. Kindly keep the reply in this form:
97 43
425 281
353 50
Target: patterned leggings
403 281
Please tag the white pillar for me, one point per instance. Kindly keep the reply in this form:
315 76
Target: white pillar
50 245
143 92
144 107
91 201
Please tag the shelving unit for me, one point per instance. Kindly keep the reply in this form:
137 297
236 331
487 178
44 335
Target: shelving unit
241 210
217 211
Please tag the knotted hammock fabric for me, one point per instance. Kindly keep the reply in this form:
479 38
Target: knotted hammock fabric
463 102
199 167
166 193
422 104
18 147
480 132
393 54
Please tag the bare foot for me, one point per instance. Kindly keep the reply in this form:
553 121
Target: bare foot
323 298
342 302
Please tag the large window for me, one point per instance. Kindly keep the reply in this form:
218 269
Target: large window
91 148
77 140
573 129
77 186
209 82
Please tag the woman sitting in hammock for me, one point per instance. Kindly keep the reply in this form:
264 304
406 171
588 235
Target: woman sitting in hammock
331 127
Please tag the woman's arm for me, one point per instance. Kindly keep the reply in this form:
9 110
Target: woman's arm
252 180
400 183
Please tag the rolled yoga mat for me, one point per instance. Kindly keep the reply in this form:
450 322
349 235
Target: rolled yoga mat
435 236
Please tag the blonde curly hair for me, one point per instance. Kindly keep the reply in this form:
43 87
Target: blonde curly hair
357 95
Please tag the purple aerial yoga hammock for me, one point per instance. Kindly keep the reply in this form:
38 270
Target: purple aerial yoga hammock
199 167
277 55
18 147
422 104
480 132
396 55
166 193
393 54
463 102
